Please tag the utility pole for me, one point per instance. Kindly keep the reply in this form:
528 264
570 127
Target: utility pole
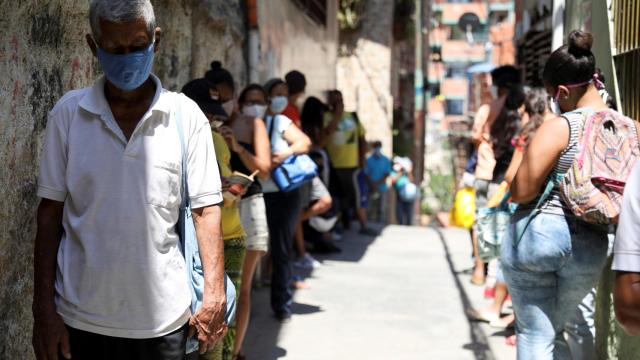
421 71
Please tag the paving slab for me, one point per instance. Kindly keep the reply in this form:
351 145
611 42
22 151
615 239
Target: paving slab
402 295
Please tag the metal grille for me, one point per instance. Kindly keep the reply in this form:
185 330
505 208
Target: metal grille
626 20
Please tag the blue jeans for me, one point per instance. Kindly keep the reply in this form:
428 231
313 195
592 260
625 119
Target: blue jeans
553 267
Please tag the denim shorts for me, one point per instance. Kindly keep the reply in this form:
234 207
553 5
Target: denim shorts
551 269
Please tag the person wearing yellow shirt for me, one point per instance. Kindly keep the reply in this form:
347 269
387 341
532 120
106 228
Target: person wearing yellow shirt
233 233
343 138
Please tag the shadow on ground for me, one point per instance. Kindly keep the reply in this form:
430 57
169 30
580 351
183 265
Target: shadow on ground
479 343
264 330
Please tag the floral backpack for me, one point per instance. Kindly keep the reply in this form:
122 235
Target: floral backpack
608 148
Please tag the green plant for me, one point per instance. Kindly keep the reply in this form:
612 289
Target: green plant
441 187
350 13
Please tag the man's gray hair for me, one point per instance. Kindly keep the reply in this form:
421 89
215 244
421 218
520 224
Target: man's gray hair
121 11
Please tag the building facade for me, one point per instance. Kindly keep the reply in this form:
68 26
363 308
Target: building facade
43 54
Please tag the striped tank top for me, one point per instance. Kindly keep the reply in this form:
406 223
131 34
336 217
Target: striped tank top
554 204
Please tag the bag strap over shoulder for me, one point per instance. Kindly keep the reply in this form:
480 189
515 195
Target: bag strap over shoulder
184 187
552 182
270 125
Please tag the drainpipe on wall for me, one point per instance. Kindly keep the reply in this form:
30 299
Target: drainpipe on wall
419 116
253 41
557 24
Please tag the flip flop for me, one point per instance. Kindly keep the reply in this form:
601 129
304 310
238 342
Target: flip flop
502 324
477 280
484 316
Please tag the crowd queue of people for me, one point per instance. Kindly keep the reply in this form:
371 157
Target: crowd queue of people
549 171
122 158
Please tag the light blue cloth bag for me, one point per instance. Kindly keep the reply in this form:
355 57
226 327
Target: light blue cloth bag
189 247
492 225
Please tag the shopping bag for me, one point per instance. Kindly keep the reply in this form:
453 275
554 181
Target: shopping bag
464 208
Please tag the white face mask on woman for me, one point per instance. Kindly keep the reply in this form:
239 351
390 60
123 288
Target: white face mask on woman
256 110
228 107
278 104
554 106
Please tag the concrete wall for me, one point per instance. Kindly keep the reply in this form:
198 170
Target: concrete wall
364 69
42 55
290 40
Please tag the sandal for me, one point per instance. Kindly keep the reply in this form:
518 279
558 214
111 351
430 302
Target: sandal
506 322
477 280
239 356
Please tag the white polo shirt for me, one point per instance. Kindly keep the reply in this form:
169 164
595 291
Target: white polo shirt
120 271
626 248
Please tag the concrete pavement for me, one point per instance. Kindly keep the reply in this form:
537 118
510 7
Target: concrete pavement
402 296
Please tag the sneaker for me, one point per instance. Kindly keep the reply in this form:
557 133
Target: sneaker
336 236
307 262
368 232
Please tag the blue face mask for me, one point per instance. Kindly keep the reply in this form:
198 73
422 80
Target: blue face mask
127 72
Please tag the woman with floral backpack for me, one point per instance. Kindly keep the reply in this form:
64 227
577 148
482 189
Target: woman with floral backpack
551 255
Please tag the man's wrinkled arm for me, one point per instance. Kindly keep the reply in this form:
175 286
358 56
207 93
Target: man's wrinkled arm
207 222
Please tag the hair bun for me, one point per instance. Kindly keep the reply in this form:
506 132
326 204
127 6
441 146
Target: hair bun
216 65
580 42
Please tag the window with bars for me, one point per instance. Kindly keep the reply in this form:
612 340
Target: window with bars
315 9
626 22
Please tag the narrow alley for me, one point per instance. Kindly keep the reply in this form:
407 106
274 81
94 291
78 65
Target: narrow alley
406 291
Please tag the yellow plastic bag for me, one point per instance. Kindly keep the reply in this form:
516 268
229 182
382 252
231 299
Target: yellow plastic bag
463 212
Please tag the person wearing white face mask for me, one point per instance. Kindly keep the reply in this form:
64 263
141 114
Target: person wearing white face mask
222 87
247 137
283 207
248 144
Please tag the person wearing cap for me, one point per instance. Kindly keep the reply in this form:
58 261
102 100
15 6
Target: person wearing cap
297 83
377 169
233 232
110 280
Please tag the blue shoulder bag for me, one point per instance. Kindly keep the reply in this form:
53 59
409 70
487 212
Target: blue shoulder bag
189 246
294 170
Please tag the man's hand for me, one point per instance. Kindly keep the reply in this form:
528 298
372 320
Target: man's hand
208 322
50 336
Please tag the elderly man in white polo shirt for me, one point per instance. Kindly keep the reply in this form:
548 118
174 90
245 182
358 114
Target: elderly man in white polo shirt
110 280
626 257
